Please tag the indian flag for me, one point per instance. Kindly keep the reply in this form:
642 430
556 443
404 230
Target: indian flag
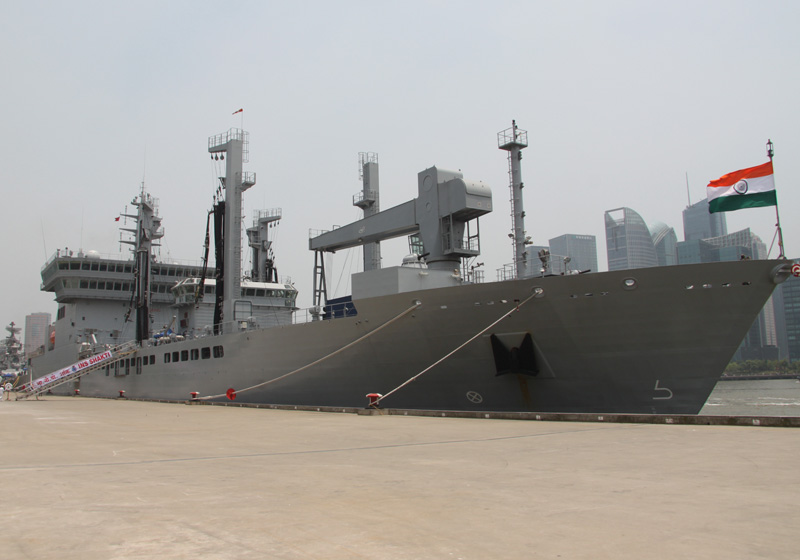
746 188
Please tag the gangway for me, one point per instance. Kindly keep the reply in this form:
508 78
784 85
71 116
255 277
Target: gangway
76 370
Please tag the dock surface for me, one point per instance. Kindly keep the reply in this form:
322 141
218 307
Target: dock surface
114 479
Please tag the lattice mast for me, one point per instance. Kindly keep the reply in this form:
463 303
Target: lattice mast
514 140
143 238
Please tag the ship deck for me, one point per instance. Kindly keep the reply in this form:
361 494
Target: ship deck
101 478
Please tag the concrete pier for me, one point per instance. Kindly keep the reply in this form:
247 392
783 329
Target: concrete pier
117 479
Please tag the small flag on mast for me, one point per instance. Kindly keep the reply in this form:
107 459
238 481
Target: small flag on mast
239 111
747 188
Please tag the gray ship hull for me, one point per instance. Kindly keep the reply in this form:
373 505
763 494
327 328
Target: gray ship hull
650 340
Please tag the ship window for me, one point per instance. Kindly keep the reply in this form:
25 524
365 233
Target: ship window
86 266
145 361
103 267
195 354
95 266
260 292
175 356
118 286
127 366
171 272
128 269
93 285
166 357
205 352
126 287
209 289
184 355
152 359
74 266
108 370
63 266
109 285
84 284
218 351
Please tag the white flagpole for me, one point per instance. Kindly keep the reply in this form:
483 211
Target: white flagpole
781 255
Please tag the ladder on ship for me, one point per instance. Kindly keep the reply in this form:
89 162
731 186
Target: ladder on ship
71 373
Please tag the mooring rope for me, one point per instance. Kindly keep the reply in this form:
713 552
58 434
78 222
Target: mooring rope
440 360
332 354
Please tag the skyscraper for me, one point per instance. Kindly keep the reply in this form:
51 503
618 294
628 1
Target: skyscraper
581 250
628 240
787 318
36 325
699 224
665 242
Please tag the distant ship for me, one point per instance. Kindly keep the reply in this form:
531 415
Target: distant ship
11 357
427 334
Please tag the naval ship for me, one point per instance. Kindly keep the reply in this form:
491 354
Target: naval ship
426 334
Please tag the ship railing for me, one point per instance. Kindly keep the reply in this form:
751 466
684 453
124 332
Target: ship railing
67 253
534 267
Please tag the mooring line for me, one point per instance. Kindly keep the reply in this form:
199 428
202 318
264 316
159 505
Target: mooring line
440 360
342 349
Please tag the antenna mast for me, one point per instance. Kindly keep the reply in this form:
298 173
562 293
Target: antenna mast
514 140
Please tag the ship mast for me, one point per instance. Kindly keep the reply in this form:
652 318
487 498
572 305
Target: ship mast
514 140
234 146
148 230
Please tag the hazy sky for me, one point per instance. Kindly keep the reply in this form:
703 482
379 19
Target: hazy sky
621 99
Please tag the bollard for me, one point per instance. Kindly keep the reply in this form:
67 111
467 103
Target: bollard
77 392
121 394
373 400
194 395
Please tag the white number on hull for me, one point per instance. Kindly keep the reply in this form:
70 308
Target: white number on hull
664 398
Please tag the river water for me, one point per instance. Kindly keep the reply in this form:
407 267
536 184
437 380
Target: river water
768 397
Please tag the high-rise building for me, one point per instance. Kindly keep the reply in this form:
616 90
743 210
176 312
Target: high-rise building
698 223
580 249
666 244
787 318
628 240
36 327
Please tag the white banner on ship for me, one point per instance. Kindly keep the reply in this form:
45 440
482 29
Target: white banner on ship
74 368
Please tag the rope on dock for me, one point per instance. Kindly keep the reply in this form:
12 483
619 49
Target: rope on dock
332 354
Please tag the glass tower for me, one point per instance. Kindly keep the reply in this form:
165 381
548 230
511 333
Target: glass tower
628 241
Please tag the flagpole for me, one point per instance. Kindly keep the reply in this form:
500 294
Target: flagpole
781 255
